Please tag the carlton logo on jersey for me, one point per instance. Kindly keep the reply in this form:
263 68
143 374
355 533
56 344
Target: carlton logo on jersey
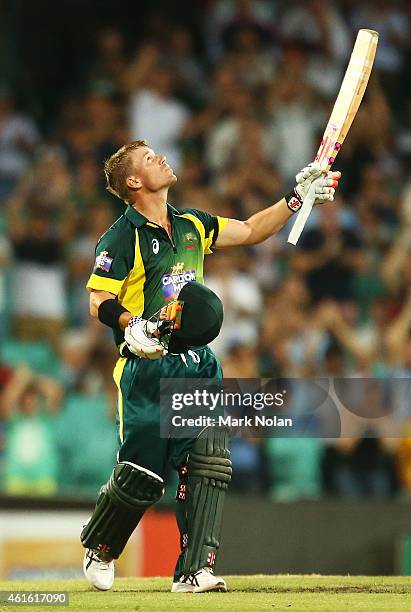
172 282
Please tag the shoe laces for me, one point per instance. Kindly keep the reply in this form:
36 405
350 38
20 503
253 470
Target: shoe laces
102 565
192 578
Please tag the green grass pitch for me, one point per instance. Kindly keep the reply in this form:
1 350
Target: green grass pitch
305 593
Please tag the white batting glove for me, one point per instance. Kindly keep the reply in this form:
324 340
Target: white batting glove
141 344
309 180
308 174
324 187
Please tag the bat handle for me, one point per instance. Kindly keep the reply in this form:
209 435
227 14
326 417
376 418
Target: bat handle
301 219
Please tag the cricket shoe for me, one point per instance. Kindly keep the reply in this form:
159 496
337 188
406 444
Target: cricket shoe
99 573
200 582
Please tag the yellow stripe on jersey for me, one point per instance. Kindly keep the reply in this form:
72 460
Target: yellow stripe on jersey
117 374
100 283
131 295
222 223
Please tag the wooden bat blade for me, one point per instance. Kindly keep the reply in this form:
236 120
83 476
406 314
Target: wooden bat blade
345 108
349 97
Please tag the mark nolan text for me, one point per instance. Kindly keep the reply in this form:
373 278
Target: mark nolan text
230 421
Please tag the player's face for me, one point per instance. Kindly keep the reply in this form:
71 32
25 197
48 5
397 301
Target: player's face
152 170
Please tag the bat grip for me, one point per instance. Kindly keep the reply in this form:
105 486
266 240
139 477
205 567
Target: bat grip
301 219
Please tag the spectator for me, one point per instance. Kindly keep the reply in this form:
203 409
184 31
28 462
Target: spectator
398 339
224 17
103 119
248 56
89 189
18 138
86 460
246 453
295 115
191 82
242 300
318 25
363 467
224 138
295 468
80 258
250 180
31 461
154 113
319 257
392 24
110 60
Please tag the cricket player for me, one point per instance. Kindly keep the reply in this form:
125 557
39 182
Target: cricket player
143 261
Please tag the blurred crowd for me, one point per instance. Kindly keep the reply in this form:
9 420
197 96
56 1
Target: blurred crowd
237 102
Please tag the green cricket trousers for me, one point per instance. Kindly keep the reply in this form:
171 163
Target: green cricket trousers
138 418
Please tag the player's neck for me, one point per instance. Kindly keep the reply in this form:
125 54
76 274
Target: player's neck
153 206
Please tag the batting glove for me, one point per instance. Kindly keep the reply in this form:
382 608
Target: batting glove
311 179
140 342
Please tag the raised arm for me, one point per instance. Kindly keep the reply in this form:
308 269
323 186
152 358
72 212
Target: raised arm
393 262
267 222
257 228
331 317
398 331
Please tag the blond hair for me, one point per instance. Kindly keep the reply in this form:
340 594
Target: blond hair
118 167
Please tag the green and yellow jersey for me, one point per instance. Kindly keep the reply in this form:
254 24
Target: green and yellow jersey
138 262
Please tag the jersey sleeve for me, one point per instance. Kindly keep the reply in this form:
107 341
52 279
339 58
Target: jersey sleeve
213 226
114 258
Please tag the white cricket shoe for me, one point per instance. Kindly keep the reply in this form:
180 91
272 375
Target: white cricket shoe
200 582
99 573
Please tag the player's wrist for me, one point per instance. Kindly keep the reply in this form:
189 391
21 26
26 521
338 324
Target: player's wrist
293 200
124 319
110 312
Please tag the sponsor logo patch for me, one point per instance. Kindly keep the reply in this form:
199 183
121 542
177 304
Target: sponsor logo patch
103 261
172 282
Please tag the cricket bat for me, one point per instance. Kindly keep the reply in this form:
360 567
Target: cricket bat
345 108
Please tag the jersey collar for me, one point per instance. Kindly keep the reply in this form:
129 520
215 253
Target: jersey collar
135 217
139 220
172 210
